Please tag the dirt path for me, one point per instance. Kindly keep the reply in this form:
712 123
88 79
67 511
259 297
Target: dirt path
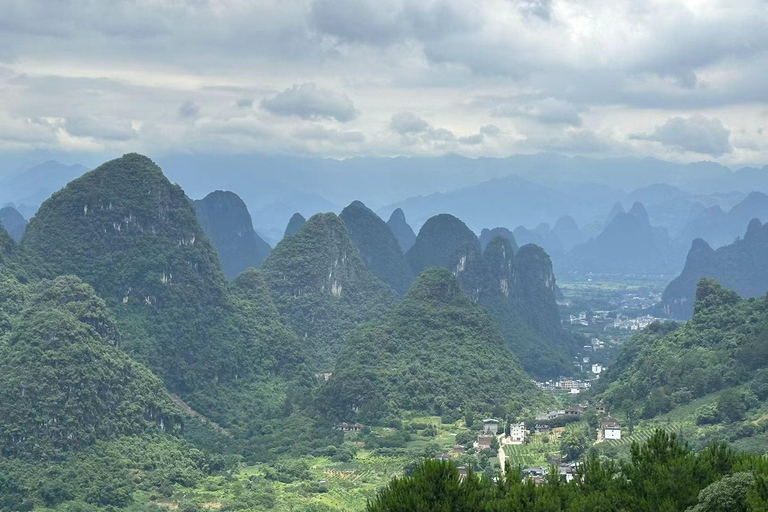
502 455
181 403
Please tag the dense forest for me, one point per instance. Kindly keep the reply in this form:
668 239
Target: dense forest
435 353
722 348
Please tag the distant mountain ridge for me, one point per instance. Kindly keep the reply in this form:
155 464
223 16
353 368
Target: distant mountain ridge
740 266
13 222
225 219
402 230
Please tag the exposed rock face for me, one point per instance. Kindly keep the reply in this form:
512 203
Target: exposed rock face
518 293
739 267
322 287
225 219
377 246
402 230
13 222
538 289
438 240
296 222
486 235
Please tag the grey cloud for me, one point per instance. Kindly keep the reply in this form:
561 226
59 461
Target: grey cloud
383 23
244 103
101 128
472 140
408 122
188 110
490 130
539 8
27 131
696 133
307 101
545 110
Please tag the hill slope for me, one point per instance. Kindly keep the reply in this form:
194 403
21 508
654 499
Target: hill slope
436 352
131 234
322 287
740 267
377 246
66 383
225 219
295 223
627 245
667 365
518 293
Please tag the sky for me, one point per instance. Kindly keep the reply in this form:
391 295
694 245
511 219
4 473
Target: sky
681 80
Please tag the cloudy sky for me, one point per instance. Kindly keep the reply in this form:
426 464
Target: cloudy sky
681 80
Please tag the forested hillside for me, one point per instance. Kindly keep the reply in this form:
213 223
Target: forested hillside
438 240
378 247
322 288
667 365
518 292
435 353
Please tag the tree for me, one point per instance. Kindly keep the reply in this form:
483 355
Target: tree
731 406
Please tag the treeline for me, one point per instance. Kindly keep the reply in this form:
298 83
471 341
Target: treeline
662 475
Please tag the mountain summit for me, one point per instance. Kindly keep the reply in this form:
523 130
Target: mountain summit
377 246
225 219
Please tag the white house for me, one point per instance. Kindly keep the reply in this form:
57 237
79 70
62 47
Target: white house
611 429
597 368
517 433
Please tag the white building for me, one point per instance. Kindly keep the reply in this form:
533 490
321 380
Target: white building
597 368
611 429
490 426
517 433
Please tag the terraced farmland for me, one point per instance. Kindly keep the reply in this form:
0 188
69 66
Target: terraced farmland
640 435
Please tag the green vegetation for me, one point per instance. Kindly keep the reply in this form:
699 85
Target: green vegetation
518 291
127 231
378 247
437 242
667 365
66 384
295 223
225 219
436 353
322 288
661 474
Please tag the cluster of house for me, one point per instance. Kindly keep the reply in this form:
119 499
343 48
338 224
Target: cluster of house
564 384
633 324
538 475
348 427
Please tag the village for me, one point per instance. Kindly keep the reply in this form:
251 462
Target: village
497 439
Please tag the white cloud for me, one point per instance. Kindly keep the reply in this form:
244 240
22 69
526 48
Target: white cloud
696 133
308 101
